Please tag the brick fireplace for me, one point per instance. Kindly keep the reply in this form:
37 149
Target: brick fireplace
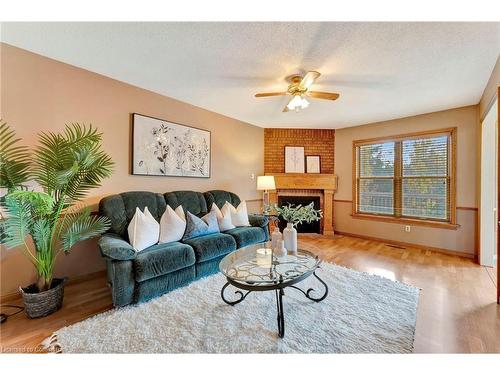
308 185
304 186
315 142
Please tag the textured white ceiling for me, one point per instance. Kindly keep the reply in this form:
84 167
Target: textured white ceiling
381 70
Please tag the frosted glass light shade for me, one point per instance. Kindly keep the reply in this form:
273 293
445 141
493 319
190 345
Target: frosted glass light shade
265 183
298 102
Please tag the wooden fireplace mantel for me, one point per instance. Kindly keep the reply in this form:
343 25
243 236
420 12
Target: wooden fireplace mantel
325 182
316 181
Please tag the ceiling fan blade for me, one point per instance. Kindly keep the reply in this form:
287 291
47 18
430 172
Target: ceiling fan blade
286 106
323 95
264 94
309 79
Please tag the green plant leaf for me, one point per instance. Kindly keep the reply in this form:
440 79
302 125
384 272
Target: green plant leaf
68 165
14 159
80 226
297 214
18 223
42 237
40 204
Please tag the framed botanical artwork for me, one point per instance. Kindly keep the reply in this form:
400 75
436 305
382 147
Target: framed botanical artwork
313 164
294 159
165 148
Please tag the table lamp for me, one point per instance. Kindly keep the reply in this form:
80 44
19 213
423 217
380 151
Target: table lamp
265 183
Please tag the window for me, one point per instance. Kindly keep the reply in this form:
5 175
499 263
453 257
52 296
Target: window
408 177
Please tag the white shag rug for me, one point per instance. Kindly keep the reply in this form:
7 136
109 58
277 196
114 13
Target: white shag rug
362 314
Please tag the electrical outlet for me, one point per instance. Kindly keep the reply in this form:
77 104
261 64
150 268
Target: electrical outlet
407 228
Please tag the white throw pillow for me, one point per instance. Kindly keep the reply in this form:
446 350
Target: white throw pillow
223 216
239 215
180 211
143 230
172 225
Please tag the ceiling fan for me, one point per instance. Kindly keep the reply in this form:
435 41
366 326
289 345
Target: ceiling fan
299 89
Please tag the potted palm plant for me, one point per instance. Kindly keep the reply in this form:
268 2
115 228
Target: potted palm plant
66 166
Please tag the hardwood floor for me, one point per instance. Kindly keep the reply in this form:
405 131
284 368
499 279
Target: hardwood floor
82 300
457 310
493 274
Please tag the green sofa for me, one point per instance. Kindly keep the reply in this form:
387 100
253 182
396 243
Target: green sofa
139 276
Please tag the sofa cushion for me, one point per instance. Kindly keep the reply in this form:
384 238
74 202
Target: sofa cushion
220 197
191 201
211 246
247 235
157 286
161 259
209 267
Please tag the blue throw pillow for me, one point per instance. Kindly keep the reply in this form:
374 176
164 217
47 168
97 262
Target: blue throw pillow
213 223
196 227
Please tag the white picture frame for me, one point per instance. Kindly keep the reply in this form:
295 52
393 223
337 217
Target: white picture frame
313 164
294 159
165 148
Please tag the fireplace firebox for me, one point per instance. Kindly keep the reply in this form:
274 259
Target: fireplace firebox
314 227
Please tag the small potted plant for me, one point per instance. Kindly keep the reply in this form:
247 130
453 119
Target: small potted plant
295 215
66 166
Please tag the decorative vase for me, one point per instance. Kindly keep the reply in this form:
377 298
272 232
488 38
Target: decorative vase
280 250
275 236
290 238
39 304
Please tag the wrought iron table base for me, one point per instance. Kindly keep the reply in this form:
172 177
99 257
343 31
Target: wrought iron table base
307 293
241 294
279 291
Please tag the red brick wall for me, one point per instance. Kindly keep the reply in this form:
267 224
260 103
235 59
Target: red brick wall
315 141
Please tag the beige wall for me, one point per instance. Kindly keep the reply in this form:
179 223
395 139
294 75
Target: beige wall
490 90
40 94
462 239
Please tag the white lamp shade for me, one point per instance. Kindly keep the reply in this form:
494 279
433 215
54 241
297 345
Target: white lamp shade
265 183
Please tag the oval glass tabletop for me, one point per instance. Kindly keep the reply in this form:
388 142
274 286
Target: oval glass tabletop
257 264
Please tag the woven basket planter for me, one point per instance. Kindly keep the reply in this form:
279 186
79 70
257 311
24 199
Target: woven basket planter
45 303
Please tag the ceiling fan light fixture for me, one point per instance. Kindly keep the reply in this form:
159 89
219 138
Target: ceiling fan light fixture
299 89
298 102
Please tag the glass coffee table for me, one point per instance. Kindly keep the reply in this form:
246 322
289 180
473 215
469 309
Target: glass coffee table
256 268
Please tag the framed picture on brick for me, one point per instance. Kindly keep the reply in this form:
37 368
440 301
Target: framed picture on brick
294 159
313 164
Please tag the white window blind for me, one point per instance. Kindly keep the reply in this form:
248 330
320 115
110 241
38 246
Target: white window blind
425 178
376 178
405 177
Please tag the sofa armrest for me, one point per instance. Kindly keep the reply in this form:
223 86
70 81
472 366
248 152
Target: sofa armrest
258 220
114 247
